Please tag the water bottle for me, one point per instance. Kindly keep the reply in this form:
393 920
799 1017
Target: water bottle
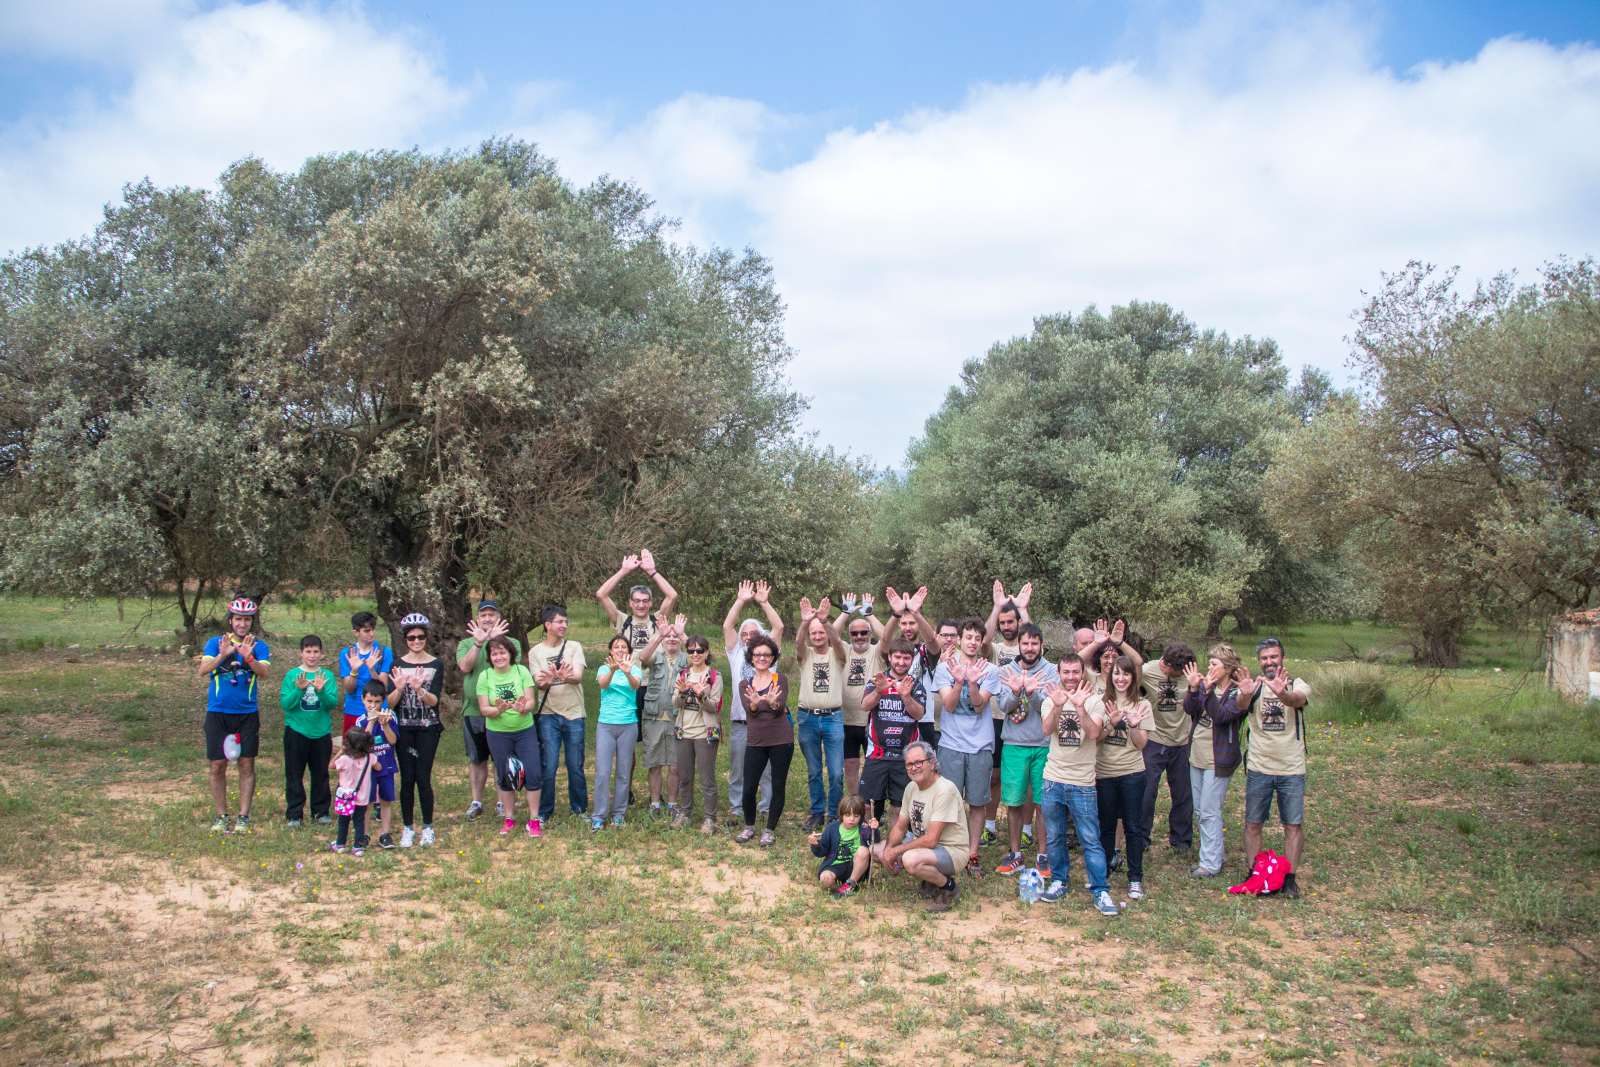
1029 886
231 747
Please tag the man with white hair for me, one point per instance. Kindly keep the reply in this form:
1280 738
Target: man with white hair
736 638
930 835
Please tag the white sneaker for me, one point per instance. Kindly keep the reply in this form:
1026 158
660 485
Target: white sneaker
406 837
1106 905
427 836
500 808
1135 890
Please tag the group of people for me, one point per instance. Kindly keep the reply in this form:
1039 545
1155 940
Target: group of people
912 733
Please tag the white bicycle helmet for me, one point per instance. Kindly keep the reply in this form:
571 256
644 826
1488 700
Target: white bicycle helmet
415 619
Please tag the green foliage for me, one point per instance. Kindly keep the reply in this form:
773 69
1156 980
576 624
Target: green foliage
1354 693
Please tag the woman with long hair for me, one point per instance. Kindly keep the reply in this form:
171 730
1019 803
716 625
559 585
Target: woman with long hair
1119 768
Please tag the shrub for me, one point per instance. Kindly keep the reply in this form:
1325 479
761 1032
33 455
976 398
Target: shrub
1352 693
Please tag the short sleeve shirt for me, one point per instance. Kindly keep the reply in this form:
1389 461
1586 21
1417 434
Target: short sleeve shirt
381 746
1072 752
819 683
964 729
1170 726
469 684
566 698
638 633
352 700
889 728
1118 754
940 802
859 669
232 688
1277 733
508 686
410 710
619 701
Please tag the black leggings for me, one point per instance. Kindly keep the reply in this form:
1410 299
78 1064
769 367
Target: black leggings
756 759
415 746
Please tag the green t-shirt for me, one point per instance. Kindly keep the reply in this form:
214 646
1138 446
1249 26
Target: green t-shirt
469 686
849 841
507 686
308 711
619 704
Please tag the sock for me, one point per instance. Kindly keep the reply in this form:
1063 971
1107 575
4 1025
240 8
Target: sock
988 824
1027 831
951 884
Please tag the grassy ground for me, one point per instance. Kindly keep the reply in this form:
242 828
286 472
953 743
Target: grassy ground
1450 913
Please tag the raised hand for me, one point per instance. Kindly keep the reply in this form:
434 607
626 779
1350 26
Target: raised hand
849 602
999 593
625 660
1247 685
647 561
763 591
499 628
1032 683
866 603
680 624
1118 630
881 683
807 613
1191 674
1012 679
1080 696
1279 682
630 563
914 601
824 609
747 592
1024 595
977 672
897 603
1057 696
1102 633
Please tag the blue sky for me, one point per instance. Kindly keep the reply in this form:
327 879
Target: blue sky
926 178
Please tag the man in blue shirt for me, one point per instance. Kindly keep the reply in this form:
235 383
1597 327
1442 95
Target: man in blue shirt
232 664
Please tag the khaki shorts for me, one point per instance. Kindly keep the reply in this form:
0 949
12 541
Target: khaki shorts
660 747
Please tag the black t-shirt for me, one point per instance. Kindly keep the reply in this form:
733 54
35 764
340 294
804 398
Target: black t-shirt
411 711
889 728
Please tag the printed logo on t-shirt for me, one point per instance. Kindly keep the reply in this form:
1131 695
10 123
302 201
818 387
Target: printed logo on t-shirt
1118 737
637 633
1204 722
308 696
821 676
858 673
505 690
1070 731
1272 715
918 823
1167 696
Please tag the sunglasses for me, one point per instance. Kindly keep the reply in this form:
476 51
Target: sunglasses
698 651
410 638
860 633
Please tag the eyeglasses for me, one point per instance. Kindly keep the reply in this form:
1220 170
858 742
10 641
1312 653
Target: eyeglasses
763 654
915 765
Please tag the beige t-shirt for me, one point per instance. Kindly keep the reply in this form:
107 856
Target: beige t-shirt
1118 754
819 681
696 717
941 803
859 669
566 698
1277 733
1001 655
1200 754
1171 725
1072 752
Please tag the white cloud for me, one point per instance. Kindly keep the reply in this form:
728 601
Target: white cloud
1263 205
264 79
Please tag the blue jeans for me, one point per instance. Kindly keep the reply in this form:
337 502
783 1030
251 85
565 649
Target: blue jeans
823 735
556 733
1122 798
1083 804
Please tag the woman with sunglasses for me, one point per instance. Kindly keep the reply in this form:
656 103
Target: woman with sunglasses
770 740
697 694
416 681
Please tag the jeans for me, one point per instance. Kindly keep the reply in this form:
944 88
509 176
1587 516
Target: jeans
1211 791
758 759
1122 798
1083 804
415 747
613 748
302 753
1173 761
823 736
556 733
737 731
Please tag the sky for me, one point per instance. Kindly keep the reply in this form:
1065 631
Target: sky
925 178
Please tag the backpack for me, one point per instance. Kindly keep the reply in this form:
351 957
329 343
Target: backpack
1267 878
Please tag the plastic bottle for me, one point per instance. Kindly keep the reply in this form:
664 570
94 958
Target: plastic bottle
1029 886
231 747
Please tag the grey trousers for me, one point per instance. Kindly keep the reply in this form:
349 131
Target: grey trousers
736 735
697 756
1210 791
613 749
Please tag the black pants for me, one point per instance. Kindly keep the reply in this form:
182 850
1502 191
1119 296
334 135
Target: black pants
415 747
359 820
756 760
1122 798
299 753
1173 761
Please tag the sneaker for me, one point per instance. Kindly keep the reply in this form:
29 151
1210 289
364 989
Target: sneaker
616 820
358 851
681 819
597 823
427 836
845 890
988 837
1135 890
474 810
385 841
944 899
510 824
220 826
1104 902
926 891
361 845
768 839
1011 864
708 827
1042 865
1115 862
334 846
655 811
407 838
1290 889
815 822
323 820
745 835
1201 872
500 808
1054 892
241 825
535 829
974 868
672 811
294 824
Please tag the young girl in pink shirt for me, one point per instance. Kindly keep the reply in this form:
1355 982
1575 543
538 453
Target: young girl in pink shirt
356 765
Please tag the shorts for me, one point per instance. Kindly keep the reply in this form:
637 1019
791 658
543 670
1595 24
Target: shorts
1259 789
660 743
476 736
1023 768
841 872
884 779
999 742
219 725
970 772
383 786
855 741
945 861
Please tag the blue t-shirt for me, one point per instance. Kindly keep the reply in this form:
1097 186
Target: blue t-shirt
619 703
966 730
233 685
352 701
387 763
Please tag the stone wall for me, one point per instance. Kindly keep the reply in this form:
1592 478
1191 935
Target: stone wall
1574 664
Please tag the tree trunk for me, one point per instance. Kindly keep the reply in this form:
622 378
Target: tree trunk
190 611
449 612
1214 625
1243 624
1441 642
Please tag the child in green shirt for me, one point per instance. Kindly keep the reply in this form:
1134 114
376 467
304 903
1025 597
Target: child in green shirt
308 696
